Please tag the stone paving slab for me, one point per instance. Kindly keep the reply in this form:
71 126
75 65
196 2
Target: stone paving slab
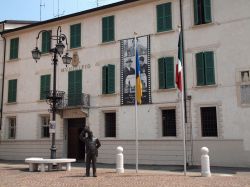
15 174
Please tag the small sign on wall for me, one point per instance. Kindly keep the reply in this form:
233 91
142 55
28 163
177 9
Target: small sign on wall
52 127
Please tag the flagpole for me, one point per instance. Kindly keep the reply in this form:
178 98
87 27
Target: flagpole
183 93
136 117
183 127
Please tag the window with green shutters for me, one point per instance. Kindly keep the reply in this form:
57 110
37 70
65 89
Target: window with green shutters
205 68
12 89
108 79
166 72
46 41
75 35
164 17
108 29
14 44
202 12
44 86
75 88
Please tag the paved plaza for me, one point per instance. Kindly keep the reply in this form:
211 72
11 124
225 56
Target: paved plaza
15 174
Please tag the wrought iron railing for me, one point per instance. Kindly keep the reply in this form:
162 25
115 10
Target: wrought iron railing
75 100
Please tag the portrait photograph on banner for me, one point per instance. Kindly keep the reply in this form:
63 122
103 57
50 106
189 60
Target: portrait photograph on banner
128 67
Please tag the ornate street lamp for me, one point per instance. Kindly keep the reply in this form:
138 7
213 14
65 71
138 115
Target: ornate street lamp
54 97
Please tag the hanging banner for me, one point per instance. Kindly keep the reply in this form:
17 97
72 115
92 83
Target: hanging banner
128 70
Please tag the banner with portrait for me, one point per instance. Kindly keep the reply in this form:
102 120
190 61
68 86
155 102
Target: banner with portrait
128 77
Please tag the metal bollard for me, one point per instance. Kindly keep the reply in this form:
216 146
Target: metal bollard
205 163
119 160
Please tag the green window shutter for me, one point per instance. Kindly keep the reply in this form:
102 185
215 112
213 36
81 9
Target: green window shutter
196 13
164 17
161 68
104 29
207 11
46 41
168 17
160 18
74 87
44 86
14 44
71 88
209 67
111 28
111 78
78 35
104 80
200 72
108 30
75 36
12 89
169 65
78 86
16 48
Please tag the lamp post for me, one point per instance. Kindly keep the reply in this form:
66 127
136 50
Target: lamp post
54 96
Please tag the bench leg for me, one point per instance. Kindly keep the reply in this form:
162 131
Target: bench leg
31 167
59 166
68 167
50 167
42 168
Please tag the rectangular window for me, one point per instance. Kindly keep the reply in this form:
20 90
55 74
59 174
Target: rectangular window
44 86
168 122
164 17
245 87
209 122
205 68
166 72
46 41
14 43
245 94
110 124
45 127
202 12
12 91
12 128
108 29
75 35
108 79
75 88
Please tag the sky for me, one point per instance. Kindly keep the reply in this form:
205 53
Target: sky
30 9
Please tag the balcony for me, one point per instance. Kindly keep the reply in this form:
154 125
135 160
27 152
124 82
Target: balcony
81 100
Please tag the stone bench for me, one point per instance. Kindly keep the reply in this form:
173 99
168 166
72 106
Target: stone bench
35 162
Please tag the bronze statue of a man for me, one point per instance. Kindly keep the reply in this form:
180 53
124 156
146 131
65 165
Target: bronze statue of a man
92 144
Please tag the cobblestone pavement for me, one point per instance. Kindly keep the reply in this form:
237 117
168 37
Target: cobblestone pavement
15 174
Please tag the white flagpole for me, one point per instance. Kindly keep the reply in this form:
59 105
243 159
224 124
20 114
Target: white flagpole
183 127
183 110
136 118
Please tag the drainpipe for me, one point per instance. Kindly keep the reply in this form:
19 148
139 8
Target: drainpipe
4 59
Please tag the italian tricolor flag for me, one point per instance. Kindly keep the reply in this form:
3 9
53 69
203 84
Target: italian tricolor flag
179 64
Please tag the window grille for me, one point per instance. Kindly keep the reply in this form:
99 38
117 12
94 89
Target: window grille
209 121
12 128
168 122
110 124
45 127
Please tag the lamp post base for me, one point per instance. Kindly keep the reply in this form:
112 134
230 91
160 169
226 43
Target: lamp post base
53 152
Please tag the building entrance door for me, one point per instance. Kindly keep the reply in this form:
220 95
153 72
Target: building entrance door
76 148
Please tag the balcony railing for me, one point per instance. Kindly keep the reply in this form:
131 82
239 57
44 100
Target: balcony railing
75 100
